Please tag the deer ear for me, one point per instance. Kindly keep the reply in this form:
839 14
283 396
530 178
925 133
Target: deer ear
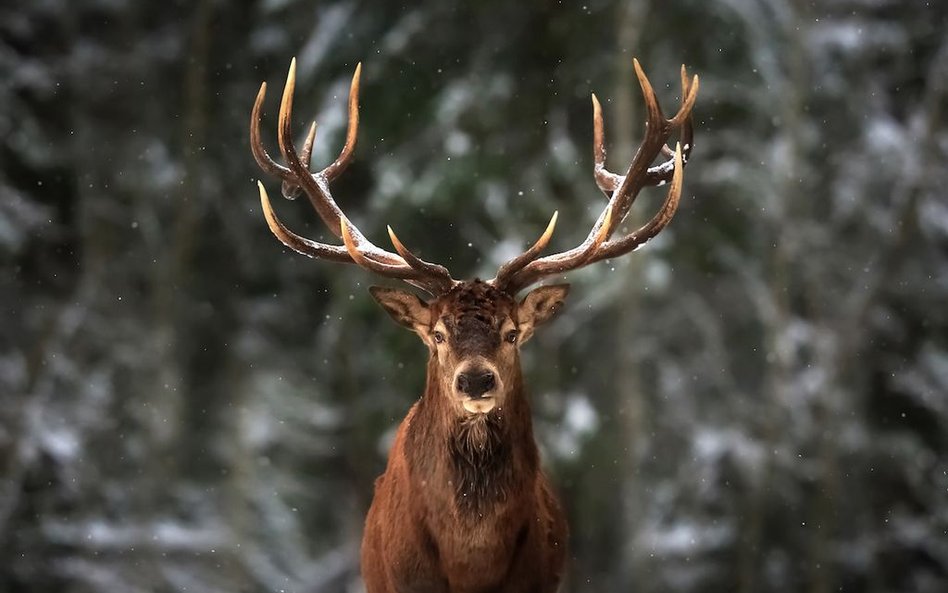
538 307
405 307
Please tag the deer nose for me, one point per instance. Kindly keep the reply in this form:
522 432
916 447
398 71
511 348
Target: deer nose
476 384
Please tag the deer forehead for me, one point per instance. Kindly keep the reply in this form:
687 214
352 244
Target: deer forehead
475 305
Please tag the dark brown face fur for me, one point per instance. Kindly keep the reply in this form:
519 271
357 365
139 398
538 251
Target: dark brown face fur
475 341
474 333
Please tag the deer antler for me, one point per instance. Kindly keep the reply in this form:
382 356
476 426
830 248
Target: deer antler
526 269
296 176
521 271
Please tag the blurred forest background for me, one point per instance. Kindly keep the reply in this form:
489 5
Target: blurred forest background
755 402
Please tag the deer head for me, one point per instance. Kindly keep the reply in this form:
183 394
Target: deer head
474 329
474 333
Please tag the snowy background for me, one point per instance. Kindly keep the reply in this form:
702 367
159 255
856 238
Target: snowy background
755 402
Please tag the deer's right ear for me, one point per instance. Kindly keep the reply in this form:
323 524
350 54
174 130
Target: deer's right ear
405 307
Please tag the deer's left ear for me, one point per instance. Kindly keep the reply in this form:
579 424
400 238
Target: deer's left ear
538 307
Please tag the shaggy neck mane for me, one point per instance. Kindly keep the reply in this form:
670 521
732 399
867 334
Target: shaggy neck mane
482 456
479 451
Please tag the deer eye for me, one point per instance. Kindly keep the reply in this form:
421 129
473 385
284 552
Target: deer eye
438 337
512 336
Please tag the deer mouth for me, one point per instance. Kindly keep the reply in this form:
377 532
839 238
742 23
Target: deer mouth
480 405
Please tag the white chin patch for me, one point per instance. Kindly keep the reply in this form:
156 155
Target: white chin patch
479 406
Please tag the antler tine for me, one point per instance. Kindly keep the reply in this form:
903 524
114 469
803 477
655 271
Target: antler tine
307 155
605 179
420 278
687 129
516 264
689 92
578 257
622 189
296 175
357 253
661 173
433 270
256 143
295 242
352 130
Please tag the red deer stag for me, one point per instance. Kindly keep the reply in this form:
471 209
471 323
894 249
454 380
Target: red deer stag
463 505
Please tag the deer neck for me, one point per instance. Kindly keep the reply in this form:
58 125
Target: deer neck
484 458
